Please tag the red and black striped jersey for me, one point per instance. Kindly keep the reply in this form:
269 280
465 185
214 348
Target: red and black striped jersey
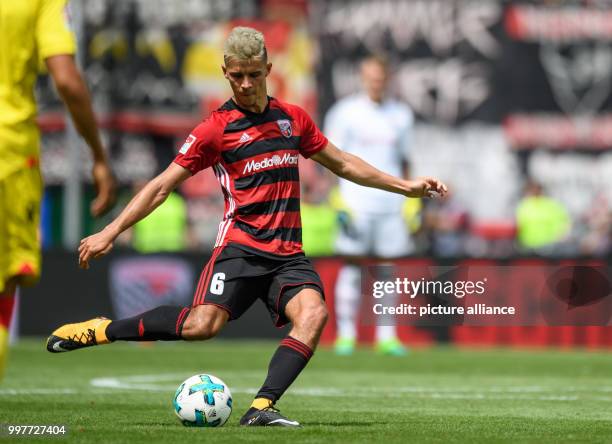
255 158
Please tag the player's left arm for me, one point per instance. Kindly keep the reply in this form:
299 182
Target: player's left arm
316 146
353 168
151 196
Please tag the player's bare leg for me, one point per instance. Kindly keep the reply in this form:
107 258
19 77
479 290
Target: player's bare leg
204 322
308 314
165 323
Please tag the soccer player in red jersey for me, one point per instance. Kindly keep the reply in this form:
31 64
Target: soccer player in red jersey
253 143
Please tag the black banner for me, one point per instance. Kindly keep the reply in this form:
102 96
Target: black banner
464 60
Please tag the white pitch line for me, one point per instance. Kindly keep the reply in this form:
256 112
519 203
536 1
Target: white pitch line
315 391
147 383
35 391
470 393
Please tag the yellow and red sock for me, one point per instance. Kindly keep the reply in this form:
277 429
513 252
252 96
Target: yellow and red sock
6 312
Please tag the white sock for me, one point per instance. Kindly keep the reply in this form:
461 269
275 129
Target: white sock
348 293
385 332
385 328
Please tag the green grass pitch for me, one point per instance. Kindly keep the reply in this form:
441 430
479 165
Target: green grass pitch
123 393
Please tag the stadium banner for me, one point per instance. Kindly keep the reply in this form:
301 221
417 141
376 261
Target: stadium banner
543 69
576 289
141 283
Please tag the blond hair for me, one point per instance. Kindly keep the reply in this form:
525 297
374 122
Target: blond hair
244 44
376 59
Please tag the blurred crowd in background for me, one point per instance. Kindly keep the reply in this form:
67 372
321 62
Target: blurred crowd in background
513 107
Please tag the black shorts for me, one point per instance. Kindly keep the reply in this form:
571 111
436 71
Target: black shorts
234 278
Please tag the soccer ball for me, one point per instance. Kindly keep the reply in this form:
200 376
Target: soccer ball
203 401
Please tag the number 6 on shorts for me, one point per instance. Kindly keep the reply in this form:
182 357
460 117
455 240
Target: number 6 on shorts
217 283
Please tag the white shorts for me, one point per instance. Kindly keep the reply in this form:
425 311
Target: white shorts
376 235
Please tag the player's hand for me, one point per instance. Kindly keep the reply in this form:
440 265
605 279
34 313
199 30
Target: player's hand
427 187
106 187
94 246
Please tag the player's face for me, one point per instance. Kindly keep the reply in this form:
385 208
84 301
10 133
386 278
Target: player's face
374 78
248 81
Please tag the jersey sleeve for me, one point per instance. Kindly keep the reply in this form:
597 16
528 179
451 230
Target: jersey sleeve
312 139
202 147
53 33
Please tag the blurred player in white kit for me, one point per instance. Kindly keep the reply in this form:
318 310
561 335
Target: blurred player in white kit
378 129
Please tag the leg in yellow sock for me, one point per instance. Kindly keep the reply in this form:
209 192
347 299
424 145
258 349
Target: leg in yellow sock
4 339
7 300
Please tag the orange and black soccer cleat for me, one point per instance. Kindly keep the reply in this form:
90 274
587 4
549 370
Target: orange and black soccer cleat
80 335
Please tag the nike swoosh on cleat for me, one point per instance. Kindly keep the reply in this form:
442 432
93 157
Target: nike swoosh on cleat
284 421
58 348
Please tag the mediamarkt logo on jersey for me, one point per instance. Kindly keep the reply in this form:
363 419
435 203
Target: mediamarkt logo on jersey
276 160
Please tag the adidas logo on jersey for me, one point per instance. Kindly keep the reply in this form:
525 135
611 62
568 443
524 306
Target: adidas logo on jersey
245 138
276 160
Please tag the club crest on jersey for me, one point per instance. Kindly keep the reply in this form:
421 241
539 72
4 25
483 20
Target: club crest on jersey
187 144
285 127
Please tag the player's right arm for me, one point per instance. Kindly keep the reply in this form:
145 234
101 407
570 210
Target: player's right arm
200 151
142 204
